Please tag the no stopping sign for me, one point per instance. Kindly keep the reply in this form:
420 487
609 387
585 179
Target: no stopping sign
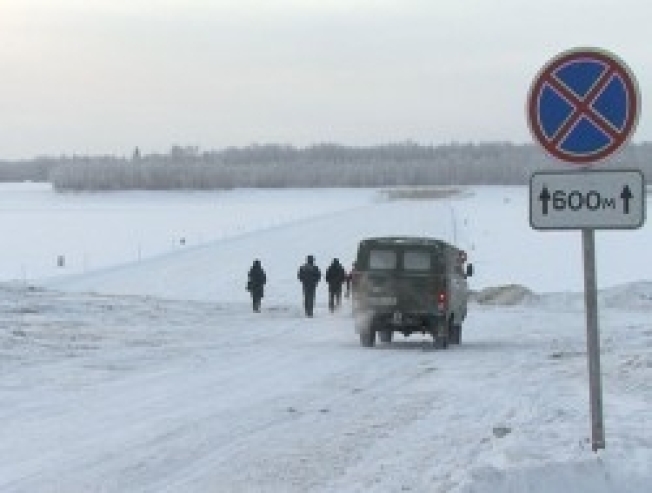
583 105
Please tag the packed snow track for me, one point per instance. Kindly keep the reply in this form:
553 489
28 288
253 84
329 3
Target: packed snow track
131 393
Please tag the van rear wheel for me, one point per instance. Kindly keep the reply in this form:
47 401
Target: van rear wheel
456 334
368 338
440 342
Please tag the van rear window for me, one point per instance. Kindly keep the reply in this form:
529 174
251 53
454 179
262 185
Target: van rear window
382 260
416 260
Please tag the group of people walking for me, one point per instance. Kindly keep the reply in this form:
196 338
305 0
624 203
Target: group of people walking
309 275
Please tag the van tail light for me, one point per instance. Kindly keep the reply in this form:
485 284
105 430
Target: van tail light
441 301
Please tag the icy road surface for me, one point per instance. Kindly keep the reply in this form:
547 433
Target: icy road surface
114 394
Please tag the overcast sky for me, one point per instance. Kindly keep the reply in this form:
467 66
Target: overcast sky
105 76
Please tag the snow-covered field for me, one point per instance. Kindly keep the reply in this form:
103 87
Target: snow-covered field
139 366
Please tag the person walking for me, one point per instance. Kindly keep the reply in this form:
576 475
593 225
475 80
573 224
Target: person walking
349 281
335 277
256 283
309 275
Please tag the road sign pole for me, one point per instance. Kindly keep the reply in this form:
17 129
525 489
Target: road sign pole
582 107
593 339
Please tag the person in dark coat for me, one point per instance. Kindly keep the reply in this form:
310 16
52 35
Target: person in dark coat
309 275
256 284
335 277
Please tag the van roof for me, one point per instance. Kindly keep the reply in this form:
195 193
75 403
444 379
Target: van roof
406 240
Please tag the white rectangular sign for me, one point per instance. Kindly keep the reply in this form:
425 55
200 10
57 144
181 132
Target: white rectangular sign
587 199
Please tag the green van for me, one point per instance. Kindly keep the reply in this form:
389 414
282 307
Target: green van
410 285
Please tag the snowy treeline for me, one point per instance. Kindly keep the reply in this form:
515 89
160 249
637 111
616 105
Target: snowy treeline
33 170
322 165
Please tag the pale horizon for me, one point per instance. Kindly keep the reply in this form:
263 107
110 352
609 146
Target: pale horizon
100 77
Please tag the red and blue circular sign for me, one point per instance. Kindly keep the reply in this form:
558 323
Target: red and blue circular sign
583 105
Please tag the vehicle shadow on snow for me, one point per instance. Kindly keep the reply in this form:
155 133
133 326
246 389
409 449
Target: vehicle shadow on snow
426 344
410 344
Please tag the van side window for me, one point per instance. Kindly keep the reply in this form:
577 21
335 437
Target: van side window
382 260
416 260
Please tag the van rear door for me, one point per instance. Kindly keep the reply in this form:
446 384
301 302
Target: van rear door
420 280
406 280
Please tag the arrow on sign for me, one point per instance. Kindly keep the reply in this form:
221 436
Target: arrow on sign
626 195
545 197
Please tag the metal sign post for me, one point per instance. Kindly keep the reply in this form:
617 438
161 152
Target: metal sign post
582 107
593 339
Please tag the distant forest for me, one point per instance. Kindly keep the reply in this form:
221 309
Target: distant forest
320 165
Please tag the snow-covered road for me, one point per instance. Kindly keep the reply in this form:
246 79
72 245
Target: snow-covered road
113 393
